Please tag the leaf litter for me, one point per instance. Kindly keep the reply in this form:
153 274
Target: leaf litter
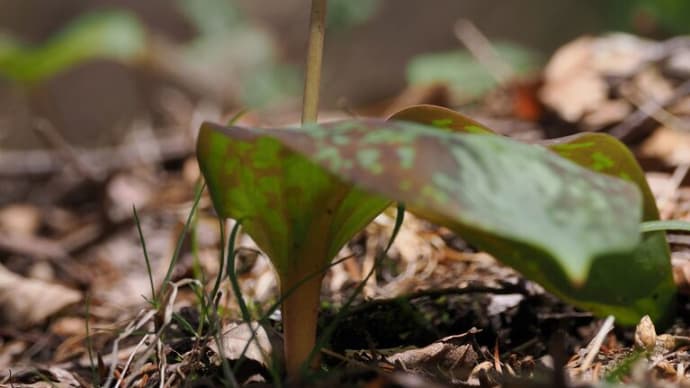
436 313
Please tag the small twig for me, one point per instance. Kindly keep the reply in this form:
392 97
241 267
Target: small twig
53 138
340 357
649 108
129 360
131 328
162 361
436 293
594 346
481 48
43 162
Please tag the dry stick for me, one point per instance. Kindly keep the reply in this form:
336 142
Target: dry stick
312 81
146 316
51 136
102 160
481 48
595 345
648 109
130 359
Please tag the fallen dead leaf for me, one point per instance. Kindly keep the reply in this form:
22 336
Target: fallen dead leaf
571 87
53 377
454 356
234 339
671 146
125 191
20 219
26 301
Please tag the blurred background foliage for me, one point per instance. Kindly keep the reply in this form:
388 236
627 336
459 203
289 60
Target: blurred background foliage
650 17
93 68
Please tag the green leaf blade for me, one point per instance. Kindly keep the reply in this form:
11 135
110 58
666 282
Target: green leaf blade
545 216
650 263
476 179
296 212
624 284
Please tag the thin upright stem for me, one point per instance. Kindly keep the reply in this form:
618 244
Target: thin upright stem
312 80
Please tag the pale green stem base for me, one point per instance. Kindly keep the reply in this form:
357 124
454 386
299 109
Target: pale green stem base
300 313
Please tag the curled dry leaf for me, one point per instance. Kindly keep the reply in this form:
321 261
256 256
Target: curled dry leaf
23 301
53 377
571 88
596 82
645 334
453 355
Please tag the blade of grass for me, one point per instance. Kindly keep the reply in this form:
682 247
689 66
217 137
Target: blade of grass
328 331
184 324
142 240
89 344
221 263
275 306
180 240
658 226
237 116
232 275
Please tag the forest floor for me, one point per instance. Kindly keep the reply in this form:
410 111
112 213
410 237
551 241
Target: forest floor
74 279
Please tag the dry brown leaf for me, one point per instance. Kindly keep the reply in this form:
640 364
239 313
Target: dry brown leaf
578 78
452 355
680 264
26 301
651 84
9 351
125 191
607 113
52 377
20 219
671 146
235 337
571 86
679 62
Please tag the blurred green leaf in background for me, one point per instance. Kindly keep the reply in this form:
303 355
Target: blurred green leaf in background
112 34
465 76
228 45
650 16
344 14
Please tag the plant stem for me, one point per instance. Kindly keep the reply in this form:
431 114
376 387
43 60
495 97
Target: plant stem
300 313
312 81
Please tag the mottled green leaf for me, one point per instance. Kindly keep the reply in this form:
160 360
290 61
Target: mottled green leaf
605 154
546 216
643 277
297 213
106 34
440 117
650 263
